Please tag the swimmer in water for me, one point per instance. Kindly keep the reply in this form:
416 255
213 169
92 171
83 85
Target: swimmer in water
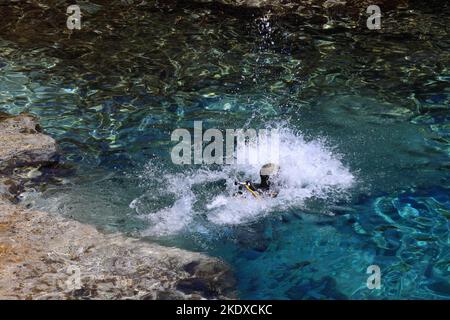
268 174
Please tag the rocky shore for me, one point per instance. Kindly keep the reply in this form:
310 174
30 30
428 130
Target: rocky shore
46 256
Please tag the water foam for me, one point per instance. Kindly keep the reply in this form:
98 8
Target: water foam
309 169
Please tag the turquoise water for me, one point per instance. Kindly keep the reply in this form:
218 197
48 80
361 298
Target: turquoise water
365 138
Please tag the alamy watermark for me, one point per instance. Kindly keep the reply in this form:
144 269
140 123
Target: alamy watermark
374 20
374 280
74 280
240 146
74 18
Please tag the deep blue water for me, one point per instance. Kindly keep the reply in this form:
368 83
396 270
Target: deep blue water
371 108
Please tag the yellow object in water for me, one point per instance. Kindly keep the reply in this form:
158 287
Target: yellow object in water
255 194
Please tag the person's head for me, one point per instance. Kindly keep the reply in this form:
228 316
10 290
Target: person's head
268 172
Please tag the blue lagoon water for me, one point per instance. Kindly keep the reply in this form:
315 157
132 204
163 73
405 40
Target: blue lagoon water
363 116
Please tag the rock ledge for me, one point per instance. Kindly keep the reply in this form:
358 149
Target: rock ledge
46 256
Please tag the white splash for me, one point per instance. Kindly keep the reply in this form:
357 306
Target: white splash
308 169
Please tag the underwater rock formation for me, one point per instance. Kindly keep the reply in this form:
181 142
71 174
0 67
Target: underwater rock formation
47 256
328 14
296 6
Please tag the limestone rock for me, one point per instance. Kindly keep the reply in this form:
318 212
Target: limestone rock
45 256
22 143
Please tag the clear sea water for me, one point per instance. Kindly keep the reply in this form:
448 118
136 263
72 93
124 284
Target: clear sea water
364 119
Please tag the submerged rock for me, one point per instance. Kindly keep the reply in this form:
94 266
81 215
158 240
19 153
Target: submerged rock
324 288
25 150
10 188
441 287
46 256
297 7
